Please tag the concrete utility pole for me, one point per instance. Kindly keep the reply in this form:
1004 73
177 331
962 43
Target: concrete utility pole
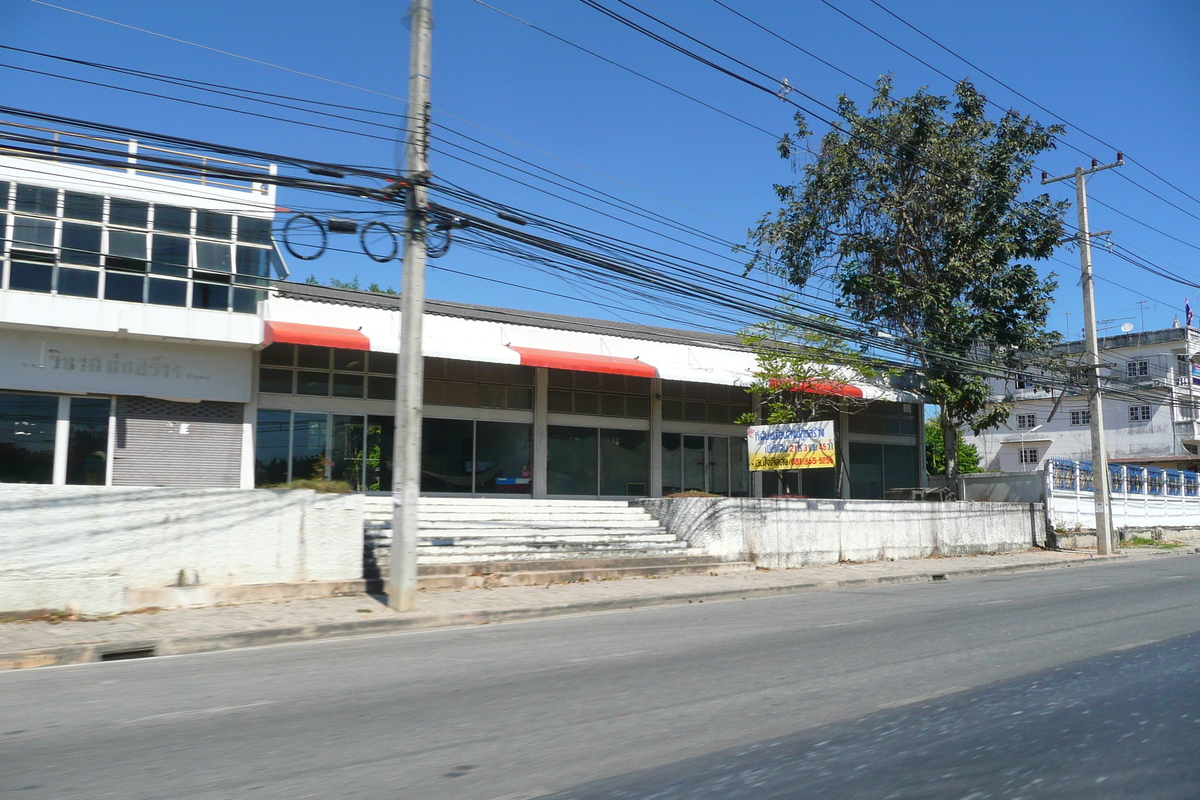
410 375
1104 538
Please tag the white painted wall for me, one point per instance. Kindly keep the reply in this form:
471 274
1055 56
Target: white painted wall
51 361
89 544
784 534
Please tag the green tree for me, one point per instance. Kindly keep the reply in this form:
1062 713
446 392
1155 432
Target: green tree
914 210
935 451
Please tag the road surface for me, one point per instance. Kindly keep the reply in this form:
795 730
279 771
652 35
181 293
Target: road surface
1065 683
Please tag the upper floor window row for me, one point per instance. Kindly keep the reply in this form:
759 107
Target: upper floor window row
44 201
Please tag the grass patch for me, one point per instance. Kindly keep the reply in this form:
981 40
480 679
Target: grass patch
1143 541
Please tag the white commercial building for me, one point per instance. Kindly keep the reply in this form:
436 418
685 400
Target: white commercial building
146 341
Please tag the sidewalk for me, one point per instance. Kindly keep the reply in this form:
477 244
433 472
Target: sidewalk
193 630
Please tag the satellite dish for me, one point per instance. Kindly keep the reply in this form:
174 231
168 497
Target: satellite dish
1127 327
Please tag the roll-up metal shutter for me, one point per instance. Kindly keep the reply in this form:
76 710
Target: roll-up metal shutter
164 443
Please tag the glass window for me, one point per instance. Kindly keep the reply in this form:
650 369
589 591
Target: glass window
81 244
168 254
33 233
126 251
672 465
312 356
571 460
254 261
78 282
379 388
254 230
624 463
120 286
206 295
612 405
172 220
282 355
214 225
378 466
694 461
213 257
866 470
30 277
27 423
271 447
128 213
739 468
519 397
347 448
384 363
37 200
308 446
314 383
503 457
459 394
245 301
587 403
4 195
87 443
718 465
278 381
347 385
349 360
165 292
77 205
559 401
447 455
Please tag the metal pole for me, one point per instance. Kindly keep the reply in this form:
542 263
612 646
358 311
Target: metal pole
1100 493
410 375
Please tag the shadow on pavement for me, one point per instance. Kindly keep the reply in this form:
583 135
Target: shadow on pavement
1122 725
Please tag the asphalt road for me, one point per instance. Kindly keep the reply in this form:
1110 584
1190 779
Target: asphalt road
1069 683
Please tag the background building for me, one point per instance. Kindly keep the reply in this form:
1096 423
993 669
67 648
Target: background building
1150 412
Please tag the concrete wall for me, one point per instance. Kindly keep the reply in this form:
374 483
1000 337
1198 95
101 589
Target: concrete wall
1003 487
89 546
782 534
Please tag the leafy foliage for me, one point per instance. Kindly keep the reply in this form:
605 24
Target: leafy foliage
914 211
935 451
354 284
797 364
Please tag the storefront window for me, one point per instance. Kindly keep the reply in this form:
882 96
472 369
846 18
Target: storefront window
465 456
87 446
624 463
597 393
27 438
714 464
272 447
875 468
571 466
308 446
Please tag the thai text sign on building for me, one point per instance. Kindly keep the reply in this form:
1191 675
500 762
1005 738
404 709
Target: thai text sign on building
807 445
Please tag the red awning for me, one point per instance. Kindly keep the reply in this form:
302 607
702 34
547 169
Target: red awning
820 387
584 362
297 333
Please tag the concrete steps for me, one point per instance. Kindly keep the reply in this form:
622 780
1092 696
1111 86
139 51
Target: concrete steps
470 542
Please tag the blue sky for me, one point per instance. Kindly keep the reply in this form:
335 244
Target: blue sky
1123 71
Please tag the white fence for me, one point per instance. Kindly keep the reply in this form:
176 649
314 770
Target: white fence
1142 497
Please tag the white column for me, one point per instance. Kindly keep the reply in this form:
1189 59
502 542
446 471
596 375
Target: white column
541 410
655 486
111 449
62 436
250 430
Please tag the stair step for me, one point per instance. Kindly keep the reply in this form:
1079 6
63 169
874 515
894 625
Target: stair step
587 562
576 574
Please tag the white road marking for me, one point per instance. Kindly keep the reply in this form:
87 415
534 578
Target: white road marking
198 711
840 624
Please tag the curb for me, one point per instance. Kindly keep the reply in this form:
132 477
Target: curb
140 648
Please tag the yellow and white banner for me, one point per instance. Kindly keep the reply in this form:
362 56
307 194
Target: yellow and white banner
808 445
